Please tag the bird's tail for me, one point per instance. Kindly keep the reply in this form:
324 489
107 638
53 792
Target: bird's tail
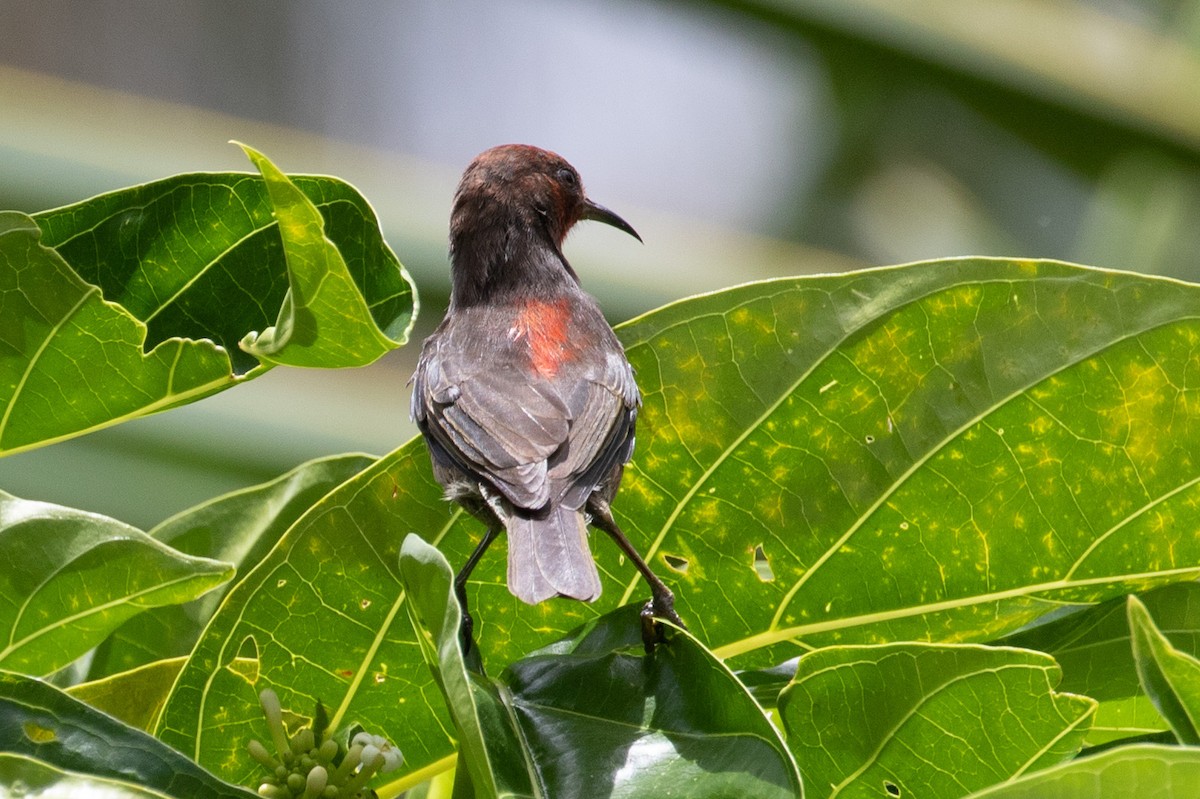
550 557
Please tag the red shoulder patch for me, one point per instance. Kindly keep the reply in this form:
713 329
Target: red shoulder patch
544 326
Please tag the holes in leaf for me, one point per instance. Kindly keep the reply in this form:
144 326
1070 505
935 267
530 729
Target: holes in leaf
870 439
245 663
762 566
676 563
892 788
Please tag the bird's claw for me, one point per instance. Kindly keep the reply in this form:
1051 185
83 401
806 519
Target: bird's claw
662 606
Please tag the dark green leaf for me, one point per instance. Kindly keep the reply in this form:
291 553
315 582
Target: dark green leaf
593 715
1169 677
930 720
1144 771
41 722
68 578
239 528
600 717
27 776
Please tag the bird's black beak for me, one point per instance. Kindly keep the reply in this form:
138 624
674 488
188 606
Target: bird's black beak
598 213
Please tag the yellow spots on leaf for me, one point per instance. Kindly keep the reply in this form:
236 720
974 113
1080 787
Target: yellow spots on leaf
1041 425
38 734
706 511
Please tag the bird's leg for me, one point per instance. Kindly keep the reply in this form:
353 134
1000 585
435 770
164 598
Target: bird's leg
460 584
662 601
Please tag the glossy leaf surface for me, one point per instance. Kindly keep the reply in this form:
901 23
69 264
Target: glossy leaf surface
28 776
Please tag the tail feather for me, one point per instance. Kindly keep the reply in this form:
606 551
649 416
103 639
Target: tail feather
550 557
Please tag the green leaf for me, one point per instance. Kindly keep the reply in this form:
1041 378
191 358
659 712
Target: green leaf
674 723
321 291
1169 677
927 720
135 697
490 755
600 717
940 451
135 301
1144 771
27 776
70 577
71 362
239 528
1094 650
38 721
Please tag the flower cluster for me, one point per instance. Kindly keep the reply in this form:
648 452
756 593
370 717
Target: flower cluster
311 764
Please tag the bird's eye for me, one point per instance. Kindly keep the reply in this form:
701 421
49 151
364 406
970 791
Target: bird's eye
567 176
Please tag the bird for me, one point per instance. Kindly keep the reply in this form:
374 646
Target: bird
523 393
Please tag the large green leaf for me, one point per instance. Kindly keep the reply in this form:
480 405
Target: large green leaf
1169 677
927 720
940 451
1144 771
39 721
239 528
68 578
135 301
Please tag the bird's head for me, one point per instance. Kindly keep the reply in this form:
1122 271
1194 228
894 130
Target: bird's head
514 206
517 186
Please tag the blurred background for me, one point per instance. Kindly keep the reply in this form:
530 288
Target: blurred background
743 140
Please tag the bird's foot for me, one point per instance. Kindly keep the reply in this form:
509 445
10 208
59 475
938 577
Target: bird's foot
662 606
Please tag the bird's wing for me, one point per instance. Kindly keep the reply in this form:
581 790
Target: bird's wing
538 439
604 408
491 422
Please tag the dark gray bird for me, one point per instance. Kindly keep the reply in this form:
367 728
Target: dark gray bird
523 393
